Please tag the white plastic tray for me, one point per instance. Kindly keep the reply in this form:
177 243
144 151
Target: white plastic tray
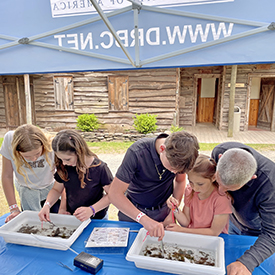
9 230
177 267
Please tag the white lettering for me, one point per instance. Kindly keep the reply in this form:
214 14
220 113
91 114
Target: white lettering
140 37
89 39
151 36
124 37
111 40
74 41
216 35
157 36
59 38
176 32
198 29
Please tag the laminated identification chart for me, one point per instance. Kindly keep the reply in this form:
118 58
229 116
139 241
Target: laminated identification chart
108 237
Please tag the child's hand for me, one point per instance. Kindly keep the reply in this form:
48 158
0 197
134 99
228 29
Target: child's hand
172 203
12 215
173 227
44 214
83 213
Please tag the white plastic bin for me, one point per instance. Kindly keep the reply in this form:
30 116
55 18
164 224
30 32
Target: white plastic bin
9 230
178 267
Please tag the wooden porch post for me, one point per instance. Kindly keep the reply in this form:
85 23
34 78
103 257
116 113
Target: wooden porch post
176 118
232 101
28 98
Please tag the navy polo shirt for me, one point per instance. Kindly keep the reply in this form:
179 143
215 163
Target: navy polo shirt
138 170
254 206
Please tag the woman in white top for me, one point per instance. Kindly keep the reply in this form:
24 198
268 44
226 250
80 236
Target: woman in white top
27 162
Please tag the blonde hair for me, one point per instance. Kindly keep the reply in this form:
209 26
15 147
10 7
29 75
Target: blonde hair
26 138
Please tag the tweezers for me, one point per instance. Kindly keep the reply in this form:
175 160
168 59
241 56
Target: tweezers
52 223
63 265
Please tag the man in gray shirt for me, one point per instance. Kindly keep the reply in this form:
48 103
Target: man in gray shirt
249 178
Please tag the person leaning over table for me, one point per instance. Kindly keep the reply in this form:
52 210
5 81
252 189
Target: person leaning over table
27 163
83 176
152 170
249 178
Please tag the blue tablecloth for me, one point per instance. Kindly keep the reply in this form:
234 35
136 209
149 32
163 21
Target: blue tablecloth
20 259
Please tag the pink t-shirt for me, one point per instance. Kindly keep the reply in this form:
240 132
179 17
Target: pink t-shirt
202 212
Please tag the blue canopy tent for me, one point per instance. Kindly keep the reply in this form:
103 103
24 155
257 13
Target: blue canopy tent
59 36
95 35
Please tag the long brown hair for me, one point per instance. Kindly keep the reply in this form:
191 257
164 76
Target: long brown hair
71 141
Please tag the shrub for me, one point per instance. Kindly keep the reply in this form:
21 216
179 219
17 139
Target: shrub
175 129
87 122
145 123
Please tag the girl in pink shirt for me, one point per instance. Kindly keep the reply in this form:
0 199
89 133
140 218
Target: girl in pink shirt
205 211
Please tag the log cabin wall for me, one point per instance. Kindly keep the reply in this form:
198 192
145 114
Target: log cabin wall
242 91
2 105
188 93
149 91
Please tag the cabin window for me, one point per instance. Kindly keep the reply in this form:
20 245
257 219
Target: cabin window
63 92
118 91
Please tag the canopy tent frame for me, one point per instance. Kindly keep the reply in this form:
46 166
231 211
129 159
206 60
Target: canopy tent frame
136 7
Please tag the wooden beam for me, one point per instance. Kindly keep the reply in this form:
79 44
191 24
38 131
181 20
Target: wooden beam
232 101
28 98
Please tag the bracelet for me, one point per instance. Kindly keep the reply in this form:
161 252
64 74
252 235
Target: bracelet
47 203
93 210
13 206
139 216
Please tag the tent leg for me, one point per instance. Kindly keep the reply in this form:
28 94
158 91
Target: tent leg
232 101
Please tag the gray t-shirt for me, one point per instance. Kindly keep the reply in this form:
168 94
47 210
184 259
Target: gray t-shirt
41 174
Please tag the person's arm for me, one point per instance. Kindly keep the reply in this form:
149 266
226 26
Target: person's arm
53 196
118 199
63 204
183 217
179 187
85 212
215 229
8 187
264 246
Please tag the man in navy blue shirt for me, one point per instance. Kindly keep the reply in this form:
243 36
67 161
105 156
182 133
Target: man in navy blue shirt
249 178
152 170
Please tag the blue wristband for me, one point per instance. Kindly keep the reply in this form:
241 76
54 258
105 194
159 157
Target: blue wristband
93 210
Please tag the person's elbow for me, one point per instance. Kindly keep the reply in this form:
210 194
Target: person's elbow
112 192
117 189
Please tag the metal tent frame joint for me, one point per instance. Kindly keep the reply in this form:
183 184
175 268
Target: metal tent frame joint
271 26
24 40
